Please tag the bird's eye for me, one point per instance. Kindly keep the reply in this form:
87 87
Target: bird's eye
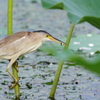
47 35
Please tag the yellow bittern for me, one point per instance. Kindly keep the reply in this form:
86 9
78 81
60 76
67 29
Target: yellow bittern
18 44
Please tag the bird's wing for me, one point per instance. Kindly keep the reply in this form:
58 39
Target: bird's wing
13 43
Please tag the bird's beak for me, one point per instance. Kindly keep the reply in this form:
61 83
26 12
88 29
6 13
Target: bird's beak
57 40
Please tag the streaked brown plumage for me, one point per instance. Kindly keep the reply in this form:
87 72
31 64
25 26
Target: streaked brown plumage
15 45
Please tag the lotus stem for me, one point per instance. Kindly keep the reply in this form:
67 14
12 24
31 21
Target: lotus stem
60 65
10 25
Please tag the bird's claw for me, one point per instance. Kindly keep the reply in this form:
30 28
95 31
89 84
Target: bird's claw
16 69
15 82
20 66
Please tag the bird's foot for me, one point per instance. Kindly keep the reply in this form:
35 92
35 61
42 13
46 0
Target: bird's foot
15 82
16 69
16 65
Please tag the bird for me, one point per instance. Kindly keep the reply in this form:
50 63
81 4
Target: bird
21 43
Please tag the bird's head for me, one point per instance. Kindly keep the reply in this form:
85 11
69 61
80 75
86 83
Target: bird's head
45 36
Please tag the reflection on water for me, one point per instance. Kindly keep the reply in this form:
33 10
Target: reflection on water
91 53
89 35
91 44
76 43
84 48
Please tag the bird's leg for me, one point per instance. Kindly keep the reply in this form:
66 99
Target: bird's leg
16 64
7 69
15 67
